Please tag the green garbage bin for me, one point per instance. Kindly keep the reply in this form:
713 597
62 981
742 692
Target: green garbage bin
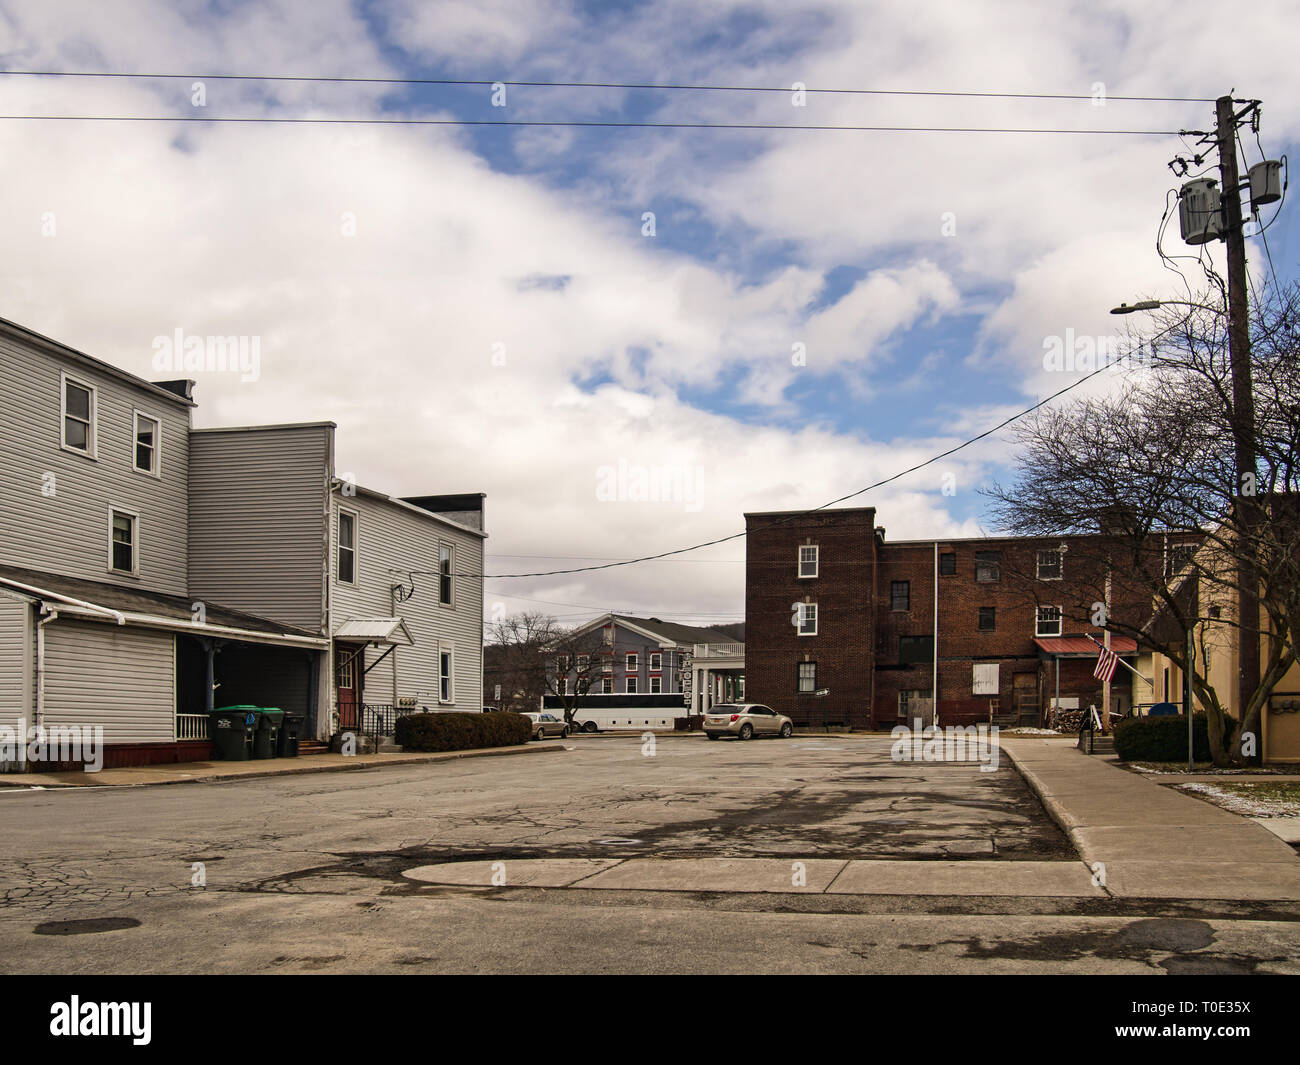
268 731
231 729
290 732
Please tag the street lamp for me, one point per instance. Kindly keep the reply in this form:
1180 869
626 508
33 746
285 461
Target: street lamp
1155 305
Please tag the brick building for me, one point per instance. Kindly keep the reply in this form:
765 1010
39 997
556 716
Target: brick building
842 625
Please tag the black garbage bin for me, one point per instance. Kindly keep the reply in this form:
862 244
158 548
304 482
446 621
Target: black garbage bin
268 732
290 731
231 729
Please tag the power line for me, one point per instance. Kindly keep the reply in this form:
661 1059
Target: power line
648 86
801 513
579 124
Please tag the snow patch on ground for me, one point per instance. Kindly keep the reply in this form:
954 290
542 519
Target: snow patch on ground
1238 799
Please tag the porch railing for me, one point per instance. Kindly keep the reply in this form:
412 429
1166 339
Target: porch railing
380 719
191 726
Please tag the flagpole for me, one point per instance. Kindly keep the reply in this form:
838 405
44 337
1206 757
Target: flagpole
1105 691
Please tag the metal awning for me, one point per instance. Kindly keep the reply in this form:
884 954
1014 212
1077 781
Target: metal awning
1082 647
388 631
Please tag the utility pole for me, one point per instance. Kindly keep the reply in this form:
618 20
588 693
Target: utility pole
1243 404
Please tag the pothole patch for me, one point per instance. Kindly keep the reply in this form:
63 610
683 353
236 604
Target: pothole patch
85 926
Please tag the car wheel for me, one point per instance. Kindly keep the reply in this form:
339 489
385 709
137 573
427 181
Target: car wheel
541 734
590 726
746 731
712 735
786 730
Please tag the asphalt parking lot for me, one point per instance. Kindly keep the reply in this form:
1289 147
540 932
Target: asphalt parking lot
313 872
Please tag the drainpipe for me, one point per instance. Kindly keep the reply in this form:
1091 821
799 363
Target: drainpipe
934 676
51 615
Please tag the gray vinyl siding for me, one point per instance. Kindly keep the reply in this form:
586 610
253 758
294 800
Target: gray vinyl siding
67 530
15 659
110 675
390 537
259 502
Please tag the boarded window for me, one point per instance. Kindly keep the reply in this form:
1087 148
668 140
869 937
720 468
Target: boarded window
915 649
985 681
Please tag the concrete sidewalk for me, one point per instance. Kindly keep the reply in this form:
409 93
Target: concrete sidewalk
1150 841
192 772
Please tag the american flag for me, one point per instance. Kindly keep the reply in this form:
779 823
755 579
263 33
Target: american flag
1107 660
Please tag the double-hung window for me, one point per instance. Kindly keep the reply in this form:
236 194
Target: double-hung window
900 595
806 618
808 561
807 678
446 679
148 439
347 550
78 432
1049 565
1048 621
988 566
444 575
123 541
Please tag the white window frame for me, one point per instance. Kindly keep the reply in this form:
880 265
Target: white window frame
584 663
134 571
606 685
630 661
448 650
1038 620
807 611
798 678
137 416
630 686
356 542
450 601
656 661
815 559
1060 563
91 450
656 685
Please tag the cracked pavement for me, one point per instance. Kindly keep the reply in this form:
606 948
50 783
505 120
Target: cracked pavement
307 872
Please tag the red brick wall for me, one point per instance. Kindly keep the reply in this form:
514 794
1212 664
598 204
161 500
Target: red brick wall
857 645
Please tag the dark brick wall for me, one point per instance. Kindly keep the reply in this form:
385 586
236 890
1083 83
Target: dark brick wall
843 593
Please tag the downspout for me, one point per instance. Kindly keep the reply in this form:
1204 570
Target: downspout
934 675
871 646
50 615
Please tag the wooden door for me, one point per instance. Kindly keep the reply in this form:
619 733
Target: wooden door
348 665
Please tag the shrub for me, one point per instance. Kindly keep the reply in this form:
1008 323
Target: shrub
461 732
1164 739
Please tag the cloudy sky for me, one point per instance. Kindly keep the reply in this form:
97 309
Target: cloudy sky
564 317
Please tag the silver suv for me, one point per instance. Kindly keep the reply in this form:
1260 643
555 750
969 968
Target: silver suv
745 721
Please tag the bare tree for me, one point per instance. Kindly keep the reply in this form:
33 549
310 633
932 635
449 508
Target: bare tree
1153 467
536 656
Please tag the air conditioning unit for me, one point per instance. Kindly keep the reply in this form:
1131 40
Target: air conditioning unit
1199 213
1265 183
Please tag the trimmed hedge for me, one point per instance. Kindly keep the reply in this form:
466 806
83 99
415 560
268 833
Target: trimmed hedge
461 732
1164 739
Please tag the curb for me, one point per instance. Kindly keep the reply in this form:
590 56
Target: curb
297 770
1053 807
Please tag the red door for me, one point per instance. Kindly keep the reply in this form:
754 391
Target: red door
348 664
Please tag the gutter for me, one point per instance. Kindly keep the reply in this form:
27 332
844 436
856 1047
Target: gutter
41 593
152 621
